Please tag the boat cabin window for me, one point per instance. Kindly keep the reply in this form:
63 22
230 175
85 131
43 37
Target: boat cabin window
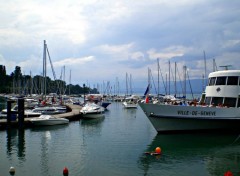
212 81
238 102
207 100
221 80
230 102
232 80
217 101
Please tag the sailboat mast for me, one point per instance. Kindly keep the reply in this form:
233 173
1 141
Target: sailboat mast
131 92
149 80
126 84
169 70
175 79
158 78
70 81
205 68
185 81
44 83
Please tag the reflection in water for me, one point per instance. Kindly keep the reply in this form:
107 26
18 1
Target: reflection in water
213 152
49 128
16 142
92 126
45 135
92 122
21 144
131 112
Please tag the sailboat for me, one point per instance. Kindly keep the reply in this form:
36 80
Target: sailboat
130 101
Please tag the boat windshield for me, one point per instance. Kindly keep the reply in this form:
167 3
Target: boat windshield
232 80
221 80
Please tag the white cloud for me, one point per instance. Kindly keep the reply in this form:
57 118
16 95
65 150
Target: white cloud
137 55
168 53
230 43
73 61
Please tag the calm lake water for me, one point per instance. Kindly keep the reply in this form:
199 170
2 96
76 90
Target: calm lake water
115 145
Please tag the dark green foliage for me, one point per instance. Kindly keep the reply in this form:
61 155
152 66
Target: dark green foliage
25 84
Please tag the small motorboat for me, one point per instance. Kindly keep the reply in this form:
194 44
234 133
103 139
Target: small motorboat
48 110
131 102
92 111
105 104
27 112
44 120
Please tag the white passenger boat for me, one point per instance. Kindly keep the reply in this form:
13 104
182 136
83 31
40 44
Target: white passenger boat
44 120
219 110
92 111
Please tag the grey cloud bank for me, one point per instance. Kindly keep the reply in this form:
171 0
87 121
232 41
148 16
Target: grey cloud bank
101 40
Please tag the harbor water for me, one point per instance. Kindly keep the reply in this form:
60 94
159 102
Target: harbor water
116 145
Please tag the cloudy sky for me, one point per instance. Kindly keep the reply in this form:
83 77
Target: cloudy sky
101 40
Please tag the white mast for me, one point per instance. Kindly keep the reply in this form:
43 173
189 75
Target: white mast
169 77
185 80
158 78
44 83
205 68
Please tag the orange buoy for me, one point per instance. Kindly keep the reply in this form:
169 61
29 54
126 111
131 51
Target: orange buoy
158 150
65 171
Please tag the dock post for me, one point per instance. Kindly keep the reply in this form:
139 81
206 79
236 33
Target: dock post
9 113
20 113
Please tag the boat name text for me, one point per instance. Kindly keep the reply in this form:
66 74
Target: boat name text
199 113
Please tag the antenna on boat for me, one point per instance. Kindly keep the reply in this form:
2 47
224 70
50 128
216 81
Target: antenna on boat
226 66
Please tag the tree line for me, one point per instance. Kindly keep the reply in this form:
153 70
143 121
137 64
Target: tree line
17 83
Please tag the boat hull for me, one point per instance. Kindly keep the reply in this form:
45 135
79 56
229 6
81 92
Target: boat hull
92 111
42 121
129 105
92 115
170 118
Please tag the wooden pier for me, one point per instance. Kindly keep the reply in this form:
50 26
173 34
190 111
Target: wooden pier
72 115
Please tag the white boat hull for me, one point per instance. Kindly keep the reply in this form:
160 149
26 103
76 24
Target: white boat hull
92 116
42 121
92 111
129 105
170 118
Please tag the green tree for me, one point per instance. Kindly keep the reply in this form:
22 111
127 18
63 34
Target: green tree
2 78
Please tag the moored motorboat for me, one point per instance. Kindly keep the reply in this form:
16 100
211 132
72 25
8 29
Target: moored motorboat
92 111
131 102
27 112
219 110
48 110
48 120
105 104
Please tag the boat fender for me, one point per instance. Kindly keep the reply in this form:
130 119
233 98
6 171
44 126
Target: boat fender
12 171
152 153
158 151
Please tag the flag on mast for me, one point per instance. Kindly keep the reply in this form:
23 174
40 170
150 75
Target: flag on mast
146 94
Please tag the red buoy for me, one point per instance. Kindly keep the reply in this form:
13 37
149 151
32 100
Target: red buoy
228 173
65 171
